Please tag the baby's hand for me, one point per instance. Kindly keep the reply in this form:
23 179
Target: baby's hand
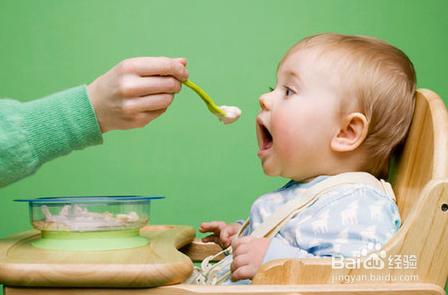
222 233
248 253
136 91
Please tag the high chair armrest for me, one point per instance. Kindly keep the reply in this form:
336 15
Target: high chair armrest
295 271
198 250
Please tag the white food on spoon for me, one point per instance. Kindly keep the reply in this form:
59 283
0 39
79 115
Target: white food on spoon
231 114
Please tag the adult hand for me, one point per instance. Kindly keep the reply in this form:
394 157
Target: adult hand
136 91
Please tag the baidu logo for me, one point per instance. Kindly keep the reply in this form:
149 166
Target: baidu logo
374 260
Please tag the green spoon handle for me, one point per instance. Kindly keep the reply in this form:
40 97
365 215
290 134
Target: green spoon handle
205 97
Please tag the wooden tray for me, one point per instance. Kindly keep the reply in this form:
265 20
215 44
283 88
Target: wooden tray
156 264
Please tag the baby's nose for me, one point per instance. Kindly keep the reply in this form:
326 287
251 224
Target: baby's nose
264 102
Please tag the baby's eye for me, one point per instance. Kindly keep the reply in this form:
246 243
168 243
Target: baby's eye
289 91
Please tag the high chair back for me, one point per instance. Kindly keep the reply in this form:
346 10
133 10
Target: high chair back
425 154
421 187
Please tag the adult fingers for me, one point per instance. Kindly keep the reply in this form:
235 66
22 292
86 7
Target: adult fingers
142 119
147 103
131 86
155 66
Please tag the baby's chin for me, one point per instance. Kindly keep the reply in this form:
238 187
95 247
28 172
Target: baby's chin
275 171
269 169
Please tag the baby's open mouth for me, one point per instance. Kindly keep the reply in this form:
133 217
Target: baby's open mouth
266 136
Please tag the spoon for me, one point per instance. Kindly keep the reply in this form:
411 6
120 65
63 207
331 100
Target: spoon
227 114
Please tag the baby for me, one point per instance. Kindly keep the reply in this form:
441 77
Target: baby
341 104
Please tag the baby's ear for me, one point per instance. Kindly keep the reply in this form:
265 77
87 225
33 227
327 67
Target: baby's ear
352 132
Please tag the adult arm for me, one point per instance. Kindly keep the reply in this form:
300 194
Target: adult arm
32 133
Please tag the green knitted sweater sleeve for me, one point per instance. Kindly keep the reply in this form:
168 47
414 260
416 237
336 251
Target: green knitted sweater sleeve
32 133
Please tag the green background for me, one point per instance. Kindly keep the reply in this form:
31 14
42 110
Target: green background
208 171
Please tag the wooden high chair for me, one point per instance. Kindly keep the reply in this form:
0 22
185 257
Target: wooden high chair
421 188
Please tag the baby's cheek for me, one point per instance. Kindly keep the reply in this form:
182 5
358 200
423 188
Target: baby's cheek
289 133
293 139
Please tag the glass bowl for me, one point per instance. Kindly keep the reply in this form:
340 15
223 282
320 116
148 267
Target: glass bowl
87 214
90 223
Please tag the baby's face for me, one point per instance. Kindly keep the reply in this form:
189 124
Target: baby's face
299 117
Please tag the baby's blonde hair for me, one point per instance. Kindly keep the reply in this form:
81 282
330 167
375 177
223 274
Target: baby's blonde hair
381 80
